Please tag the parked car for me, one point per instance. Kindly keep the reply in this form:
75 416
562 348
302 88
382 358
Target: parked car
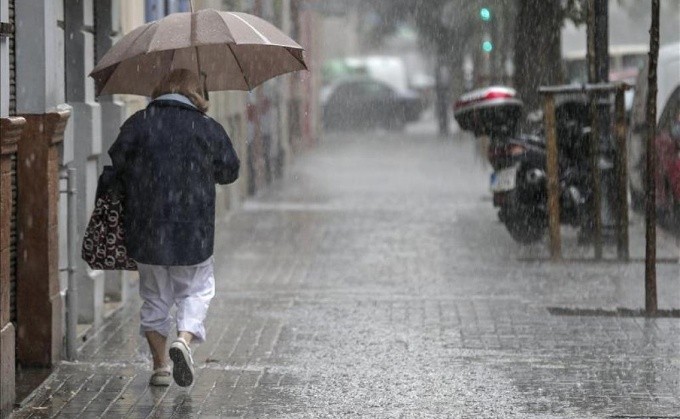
368 103
667 142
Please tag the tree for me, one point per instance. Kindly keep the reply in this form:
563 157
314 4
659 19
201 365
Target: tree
650 205
538 54
449 26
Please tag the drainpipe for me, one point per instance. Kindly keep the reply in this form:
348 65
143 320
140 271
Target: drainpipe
72 288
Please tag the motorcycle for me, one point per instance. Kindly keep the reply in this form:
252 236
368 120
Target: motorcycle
519 181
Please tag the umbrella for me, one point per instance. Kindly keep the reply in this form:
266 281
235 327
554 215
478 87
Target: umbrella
230 50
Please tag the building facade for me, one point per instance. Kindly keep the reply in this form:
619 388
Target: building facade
51 121
33 116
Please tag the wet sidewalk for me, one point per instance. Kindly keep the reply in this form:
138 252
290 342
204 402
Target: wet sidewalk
376 281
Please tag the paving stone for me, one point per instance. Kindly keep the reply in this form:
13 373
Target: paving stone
376 281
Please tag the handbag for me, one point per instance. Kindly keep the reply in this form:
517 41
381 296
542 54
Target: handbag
104 239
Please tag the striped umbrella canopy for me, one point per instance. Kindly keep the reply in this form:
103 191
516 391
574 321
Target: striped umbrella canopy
228 50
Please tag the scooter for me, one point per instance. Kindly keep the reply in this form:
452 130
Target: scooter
519 182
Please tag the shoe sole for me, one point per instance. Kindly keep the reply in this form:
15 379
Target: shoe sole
160 382
181 370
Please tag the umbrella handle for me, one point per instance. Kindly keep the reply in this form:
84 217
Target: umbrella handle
206 96
201 73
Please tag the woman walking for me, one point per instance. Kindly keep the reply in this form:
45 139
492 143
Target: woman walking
168 158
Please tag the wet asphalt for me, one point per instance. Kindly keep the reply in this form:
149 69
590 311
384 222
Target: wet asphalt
376 281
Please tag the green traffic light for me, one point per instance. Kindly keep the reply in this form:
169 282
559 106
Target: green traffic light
485 14
487 46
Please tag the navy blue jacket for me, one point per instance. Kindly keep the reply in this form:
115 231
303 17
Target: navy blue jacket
168 158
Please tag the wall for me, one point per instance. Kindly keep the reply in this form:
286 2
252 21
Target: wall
66 127
7 330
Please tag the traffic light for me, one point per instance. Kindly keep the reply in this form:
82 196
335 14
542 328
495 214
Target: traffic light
485 15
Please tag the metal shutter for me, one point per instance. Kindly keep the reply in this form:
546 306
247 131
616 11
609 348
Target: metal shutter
12 65
13 226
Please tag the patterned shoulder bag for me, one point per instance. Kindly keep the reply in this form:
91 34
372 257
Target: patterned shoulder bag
104 239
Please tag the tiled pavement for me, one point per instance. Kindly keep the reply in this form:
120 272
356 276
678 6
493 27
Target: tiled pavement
375 281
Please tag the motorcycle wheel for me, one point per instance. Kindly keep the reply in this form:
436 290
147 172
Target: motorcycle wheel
526 228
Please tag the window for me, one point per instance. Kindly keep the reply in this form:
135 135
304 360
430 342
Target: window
157 9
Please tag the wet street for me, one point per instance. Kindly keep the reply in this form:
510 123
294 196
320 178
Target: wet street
376 281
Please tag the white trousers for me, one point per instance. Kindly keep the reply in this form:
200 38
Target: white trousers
189 287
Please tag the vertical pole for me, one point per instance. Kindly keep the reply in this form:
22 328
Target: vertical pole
257 148
596 209
622 176
72 295
590 55
650 204
608 209
601 40
597 55
553 180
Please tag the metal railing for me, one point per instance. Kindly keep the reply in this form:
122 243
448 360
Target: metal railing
594 91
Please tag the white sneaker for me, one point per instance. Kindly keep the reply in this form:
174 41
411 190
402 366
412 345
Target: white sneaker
161 377
183 364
